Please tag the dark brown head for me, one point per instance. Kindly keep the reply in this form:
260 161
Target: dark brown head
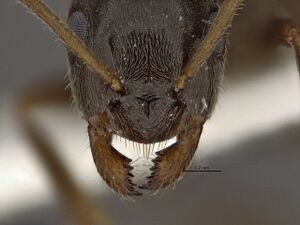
144 137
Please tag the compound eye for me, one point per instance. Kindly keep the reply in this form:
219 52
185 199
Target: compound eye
79 24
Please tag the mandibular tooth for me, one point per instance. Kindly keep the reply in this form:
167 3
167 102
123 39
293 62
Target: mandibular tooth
141 155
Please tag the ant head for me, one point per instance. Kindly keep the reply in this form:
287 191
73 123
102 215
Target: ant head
147 43
144 73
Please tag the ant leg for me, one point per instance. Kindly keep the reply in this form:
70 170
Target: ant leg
77 203
288 32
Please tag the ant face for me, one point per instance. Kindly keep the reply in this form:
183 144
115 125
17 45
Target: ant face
145 137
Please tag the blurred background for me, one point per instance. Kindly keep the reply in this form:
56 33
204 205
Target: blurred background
253 136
